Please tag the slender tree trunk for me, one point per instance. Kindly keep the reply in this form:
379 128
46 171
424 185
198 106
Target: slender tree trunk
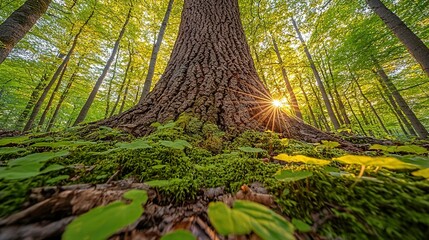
32 101
289 88
328 105
331 96
371 107
124 81
51 99
398 111
307 102
124 98
415 122
39 103
148 82
328 128
109 90
84 111
411 41
354 115
19 23
259 66
63 97
338 97
211 75
401 125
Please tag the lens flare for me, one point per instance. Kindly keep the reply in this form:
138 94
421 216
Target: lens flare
277 103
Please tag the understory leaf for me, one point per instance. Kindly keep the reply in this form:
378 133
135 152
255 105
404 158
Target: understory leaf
414 149
13 140
179 235
246 217
387 162
422 173
301 158
136 144
30 165
9 150
103 221
290 176
177 144
301 225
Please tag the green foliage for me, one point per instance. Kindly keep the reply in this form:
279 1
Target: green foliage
412 149
301 225
179 235
177 144
291 176
251 150
246 217
31 165
101 222
387 162
13 140
301 158
9 150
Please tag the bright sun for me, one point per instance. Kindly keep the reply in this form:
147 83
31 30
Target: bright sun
277 103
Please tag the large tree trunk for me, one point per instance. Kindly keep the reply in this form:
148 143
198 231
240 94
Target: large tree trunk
412 42
211 75
155 50
14 28
84 111
325 97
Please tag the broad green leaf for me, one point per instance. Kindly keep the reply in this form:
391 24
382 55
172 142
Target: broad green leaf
387 162
414 149
136 144
228 221
37 158
9 150
330 144
179 235
157 167
416 160
265 223
12 140
57 179
301 158
30 165
301 225
422 173
177 144
102 222
251 149
331 169
158 183
62 144
289 176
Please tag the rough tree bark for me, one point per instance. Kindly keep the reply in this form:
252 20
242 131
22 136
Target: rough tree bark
325 97
411 41
14 28
155 50
84 111
211 75
292 97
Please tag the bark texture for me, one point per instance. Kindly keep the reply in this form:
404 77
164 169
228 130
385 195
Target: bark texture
14 28
211 75
411 41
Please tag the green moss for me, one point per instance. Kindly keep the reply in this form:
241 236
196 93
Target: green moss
397 208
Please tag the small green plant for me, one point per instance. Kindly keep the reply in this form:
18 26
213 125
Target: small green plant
30 165
302 159
102 222
246 217
179 235
413 149
292 176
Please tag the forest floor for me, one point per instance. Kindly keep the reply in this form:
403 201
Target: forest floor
47 180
